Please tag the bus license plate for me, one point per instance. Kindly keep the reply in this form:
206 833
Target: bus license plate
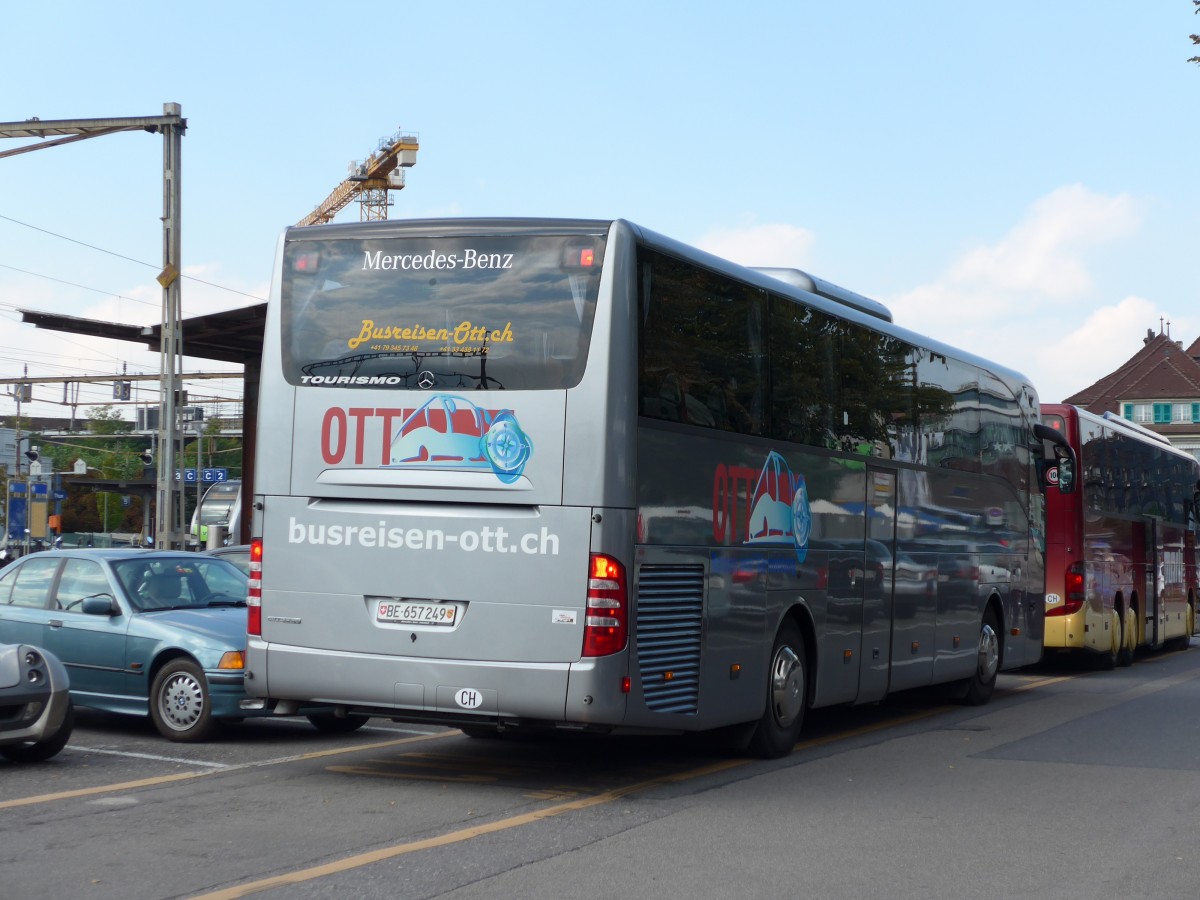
415 612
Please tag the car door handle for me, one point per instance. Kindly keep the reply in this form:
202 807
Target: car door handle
56 623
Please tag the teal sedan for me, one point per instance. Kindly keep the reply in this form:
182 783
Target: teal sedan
141 632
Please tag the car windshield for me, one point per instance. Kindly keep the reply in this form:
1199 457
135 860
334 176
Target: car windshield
181 582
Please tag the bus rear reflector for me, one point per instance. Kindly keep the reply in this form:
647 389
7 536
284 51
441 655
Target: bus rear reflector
1074 591
254 590
606 618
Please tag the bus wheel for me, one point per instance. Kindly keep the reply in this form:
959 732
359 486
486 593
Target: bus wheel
1128 639
331 724
1109 657
480 732
977 689
787 696
1189 624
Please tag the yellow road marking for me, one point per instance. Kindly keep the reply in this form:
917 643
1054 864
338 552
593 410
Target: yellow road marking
186 776
1040 682
463 834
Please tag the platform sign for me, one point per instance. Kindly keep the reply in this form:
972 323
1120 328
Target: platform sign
39 510
18 510
213 476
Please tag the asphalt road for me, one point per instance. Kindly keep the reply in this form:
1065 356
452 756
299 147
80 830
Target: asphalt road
1070 783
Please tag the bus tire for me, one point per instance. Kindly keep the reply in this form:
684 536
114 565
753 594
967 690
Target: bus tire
977 690
480 732
787 696
1128 639
1109 658
327 723
180 703
1189 623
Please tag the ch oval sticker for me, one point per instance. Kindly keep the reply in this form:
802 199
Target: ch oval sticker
469 698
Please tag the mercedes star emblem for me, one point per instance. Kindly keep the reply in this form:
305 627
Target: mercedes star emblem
425 380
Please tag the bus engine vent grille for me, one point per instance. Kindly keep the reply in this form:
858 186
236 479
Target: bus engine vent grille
670 614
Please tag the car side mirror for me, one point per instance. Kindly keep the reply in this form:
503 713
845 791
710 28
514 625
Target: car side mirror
100 605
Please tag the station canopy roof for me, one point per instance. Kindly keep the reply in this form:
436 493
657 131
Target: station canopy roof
235 335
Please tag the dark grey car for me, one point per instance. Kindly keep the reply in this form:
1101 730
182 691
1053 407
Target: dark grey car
36 716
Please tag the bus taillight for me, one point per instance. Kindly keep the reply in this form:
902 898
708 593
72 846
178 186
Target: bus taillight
254 589
1074 591
606 619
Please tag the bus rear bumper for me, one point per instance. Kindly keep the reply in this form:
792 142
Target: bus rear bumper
1064 632
439 691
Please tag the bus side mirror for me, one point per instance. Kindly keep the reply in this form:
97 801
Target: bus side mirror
1066 469
1062 473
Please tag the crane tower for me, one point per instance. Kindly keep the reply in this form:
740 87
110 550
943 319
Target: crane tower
370 181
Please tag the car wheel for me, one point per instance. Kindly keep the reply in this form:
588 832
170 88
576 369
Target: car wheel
787 696
977 689
180 704
331 724
45 748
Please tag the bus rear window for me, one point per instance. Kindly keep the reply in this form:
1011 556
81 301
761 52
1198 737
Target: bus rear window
462 313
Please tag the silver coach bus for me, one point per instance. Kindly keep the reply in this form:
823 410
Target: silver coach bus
571 474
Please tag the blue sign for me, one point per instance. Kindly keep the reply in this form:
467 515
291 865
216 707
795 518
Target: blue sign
212 476
186 475
18 510
59 494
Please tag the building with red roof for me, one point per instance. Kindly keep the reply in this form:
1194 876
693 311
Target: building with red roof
1158 388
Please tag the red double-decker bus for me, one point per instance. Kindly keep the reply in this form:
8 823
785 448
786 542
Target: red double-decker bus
1120 549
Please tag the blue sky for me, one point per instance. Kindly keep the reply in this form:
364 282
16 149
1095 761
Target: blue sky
1015 179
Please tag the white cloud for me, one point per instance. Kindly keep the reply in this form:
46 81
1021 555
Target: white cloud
760 245
1019 301
1105 341
1044 252
1028 301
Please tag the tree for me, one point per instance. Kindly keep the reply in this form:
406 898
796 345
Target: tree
1195 37
110 450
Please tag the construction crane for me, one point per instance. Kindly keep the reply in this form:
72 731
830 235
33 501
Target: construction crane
370 181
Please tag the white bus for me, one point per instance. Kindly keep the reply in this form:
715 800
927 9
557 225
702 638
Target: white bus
571 474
